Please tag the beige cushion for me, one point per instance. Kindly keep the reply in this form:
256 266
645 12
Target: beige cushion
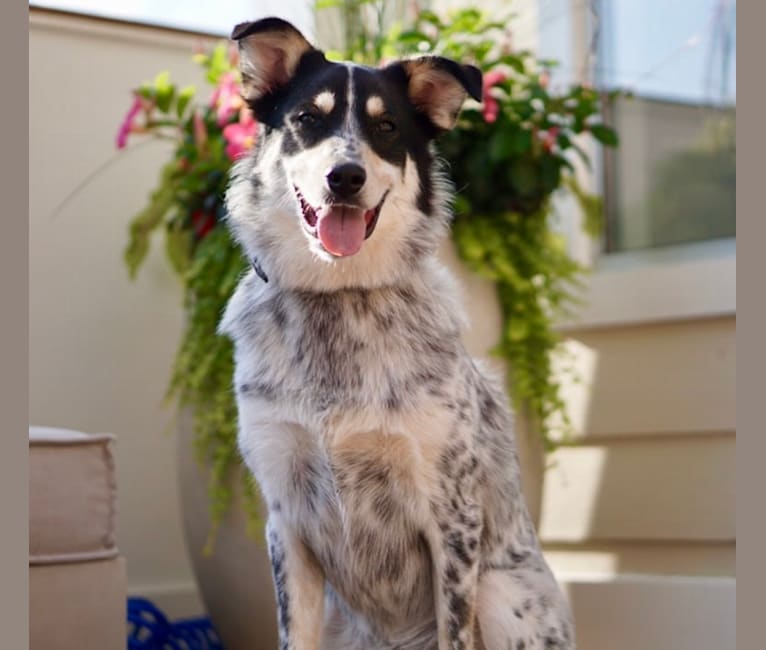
78 605
72 493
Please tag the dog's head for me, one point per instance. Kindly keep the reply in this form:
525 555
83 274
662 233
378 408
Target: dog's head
342 188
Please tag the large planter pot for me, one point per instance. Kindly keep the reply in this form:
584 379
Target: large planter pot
235 581
479 297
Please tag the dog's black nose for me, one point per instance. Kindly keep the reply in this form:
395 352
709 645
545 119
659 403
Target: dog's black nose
346 180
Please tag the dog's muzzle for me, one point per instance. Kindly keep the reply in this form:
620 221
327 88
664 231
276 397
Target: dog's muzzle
340 228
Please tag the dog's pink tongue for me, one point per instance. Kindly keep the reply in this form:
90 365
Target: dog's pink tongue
341 230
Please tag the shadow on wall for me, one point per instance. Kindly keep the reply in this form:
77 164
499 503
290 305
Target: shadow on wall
648 488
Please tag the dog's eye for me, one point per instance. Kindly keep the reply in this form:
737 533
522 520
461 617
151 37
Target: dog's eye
307 119
386 126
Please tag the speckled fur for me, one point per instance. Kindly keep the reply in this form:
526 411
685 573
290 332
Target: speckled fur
384 453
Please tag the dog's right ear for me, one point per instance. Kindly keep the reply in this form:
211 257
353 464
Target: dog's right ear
269 53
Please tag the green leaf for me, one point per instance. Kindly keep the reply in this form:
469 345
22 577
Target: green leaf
508 142
591 205
523 177
185 95
517 330
430 17
146 222
218 63
165 98
550 173
162 81
501 145
413 37
178 246
335 55
146 91
515 62
466 20
604 134
461 205
522 141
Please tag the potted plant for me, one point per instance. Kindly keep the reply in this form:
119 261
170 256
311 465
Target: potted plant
508 155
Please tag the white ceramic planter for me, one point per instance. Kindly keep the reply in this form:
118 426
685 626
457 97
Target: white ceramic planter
235 581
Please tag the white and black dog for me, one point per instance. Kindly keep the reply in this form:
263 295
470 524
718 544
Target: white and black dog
385 455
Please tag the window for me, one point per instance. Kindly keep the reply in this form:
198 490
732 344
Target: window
672 180
669 189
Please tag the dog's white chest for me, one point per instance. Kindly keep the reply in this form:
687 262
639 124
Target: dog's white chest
357 504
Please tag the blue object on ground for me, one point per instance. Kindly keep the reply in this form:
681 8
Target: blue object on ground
149 629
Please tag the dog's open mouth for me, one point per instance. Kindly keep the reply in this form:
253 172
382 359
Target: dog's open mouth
341 229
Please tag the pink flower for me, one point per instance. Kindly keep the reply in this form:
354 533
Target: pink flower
240 136
491 107
494 77
226 99
128 124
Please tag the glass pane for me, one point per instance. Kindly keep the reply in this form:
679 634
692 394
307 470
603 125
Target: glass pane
672 180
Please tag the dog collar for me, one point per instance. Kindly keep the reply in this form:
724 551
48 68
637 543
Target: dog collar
258 270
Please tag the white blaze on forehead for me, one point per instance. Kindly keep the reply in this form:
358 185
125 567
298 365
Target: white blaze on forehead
375 106
350 98
325 101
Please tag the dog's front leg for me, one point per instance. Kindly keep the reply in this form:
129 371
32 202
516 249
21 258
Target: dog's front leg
299 585
454 544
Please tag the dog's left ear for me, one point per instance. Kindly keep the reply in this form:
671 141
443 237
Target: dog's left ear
269 53
437 87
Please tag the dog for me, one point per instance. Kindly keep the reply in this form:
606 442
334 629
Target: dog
384 454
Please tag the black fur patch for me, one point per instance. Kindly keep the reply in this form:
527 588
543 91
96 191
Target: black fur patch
277 556
459 608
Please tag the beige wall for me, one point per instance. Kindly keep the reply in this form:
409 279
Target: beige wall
101 346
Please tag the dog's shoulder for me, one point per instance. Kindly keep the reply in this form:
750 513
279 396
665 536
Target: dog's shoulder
243 306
